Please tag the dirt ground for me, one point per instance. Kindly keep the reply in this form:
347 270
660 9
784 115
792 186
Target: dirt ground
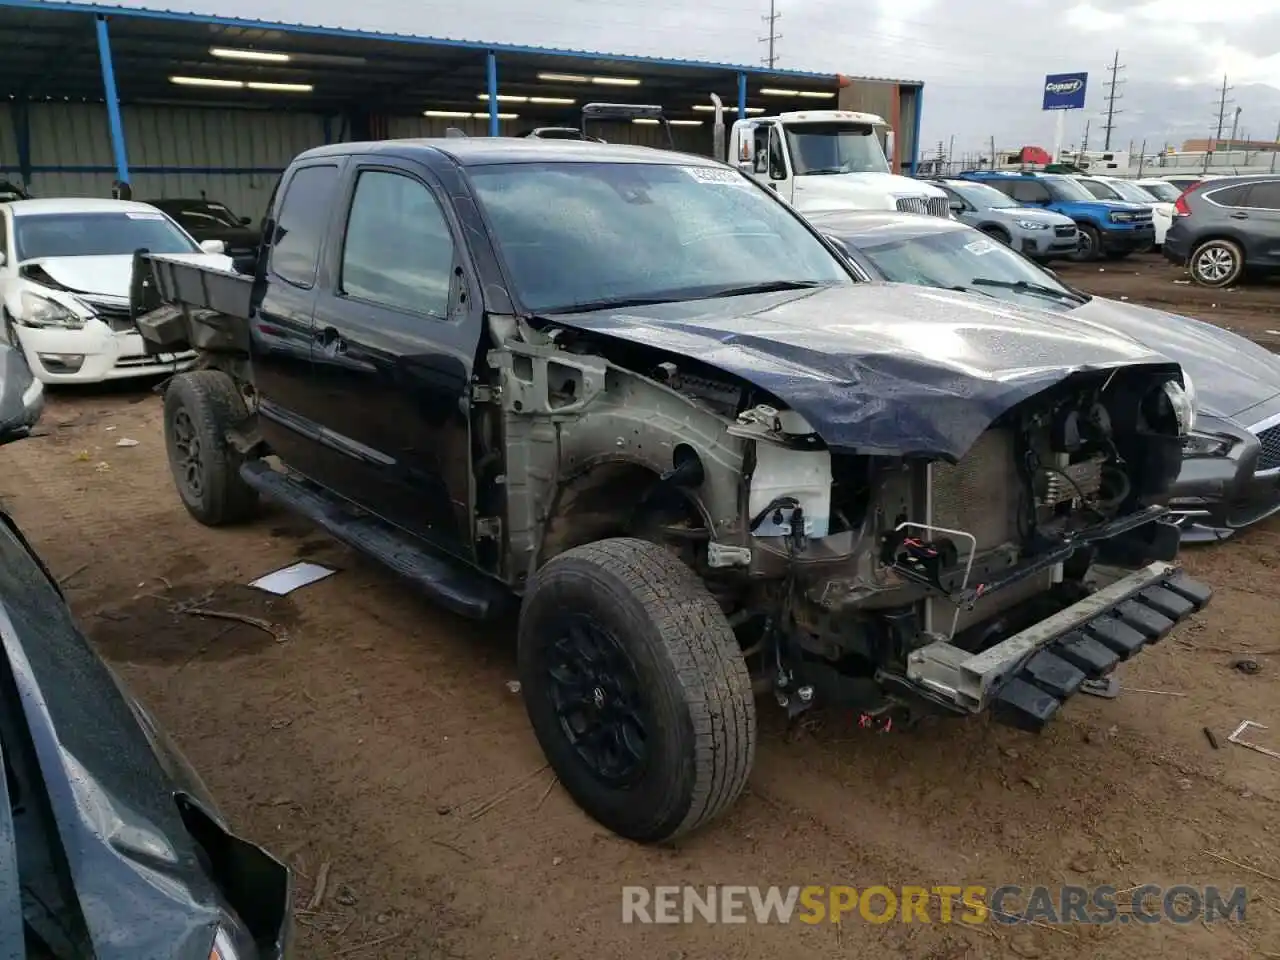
374 738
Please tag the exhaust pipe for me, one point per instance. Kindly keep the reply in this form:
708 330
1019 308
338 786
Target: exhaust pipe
717 131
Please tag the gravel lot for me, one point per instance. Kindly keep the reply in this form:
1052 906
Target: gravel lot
376 734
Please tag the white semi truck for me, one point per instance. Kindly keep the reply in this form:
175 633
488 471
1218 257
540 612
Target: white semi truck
825 160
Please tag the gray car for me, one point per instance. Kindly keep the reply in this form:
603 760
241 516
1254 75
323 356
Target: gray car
1042 235
1230 475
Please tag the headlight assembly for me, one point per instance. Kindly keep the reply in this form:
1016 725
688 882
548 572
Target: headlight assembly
38 311
1183 403
1032 225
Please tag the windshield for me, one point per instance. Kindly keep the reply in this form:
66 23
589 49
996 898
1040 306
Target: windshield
818 148
1100 190
97 235
956 258
574 234
1129 191
982 196
1064 188
201 213
1161 190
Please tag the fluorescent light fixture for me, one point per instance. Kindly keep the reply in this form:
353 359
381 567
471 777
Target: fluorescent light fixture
449 113
814 94
565 101
501 116
685 123
649 121
262 56
728 108
504 98
577 78
206 82
282 87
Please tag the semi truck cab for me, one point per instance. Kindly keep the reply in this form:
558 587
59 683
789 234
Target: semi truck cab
828 160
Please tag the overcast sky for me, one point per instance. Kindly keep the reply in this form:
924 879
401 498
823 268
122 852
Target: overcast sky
983 60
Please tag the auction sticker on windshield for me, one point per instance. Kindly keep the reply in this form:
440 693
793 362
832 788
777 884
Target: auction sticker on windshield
980 247
716 175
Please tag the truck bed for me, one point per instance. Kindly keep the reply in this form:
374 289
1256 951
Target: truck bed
178 305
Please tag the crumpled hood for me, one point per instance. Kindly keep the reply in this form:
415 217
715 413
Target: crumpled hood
866 191
1231 373
880 368
105 276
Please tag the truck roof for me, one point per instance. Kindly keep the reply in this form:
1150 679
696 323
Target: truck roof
468 151
827 116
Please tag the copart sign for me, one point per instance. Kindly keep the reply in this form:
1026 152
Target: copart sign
1065 91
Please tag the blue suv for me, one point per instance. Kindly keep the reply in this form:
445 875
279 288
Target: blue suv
1108 228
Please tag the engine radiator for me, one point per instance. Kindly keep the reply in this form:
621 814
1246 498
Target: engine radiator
981 495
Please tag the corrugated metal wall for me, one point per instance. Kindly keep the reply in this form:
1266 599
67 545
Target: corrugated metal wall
233 156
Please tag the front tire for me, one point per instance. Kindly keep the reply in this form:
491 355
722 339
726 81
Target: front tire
636 688
1217 263
1090 248
997 234
199 407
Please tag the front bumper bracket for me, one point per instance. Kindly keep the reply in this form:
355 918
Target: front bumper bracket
1025 678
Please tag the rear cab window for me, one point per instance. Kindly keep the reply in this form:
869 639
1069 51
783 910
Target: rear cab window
299 230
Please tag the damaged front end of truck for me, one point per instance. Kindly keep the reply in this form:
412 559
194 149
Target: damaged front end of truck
885 532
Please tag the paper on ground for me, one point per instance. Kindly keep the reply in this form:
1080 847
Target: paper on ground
291 578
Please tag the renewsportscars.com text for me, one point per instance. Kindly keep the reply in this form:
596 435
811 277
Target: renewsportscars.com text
1007 904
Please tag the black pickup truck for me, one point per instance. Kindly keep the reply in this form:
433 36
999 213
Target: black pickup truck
634 392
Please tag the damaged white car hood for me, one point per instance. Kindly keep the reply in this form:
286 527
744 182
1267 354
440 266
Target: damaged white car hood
102 276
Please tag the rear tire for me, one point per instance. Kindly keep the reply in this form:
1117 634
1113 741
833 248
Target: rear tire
199 408
1090 248
636 688
1216 263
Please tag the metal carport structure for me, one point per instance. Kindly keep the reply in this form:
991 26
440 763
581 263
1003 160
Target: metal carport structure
166 100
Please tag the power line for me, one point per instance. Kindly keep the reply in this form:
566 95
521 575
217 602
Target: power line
1112 97
772 20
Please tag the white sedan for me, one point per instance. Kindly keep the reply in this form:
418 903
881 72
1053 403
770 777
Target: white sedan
65 270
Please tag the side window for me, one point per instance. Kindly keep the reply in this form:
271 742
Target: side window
398 250
777 157
1028 191
760 147
1265 195
299 231
4 237
1100 191
1237 196
1004 186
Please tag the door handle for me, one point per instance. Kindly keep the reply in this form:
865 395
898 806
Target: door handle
1238 215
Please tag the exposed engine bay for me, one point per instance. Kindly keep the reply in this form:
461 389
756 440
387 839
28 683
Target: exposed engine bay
838 568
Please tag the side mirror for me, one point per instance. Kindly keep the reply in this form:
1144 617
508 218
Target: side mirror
956 206
890 144
21 396
245 221
213 246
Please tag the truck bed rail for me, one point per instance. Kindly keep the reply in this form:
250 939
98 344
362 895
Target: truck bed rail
178 305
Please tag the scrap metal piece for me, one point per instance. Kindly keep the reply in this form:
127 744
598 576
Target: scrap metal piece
1245 725
1108 688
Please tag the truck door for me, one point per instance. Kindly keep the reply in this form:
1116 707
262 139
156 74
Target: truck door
767 155
395 342
281 327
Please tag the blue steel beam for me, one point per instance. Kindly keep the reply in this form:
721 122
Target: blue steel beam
915 136
113 102
742 95
491 72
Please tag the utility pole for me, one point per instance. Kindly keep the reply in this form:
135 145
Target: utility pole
993 151
1112 97
1084 143
772 20
1275 148
1222 118
1235 127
